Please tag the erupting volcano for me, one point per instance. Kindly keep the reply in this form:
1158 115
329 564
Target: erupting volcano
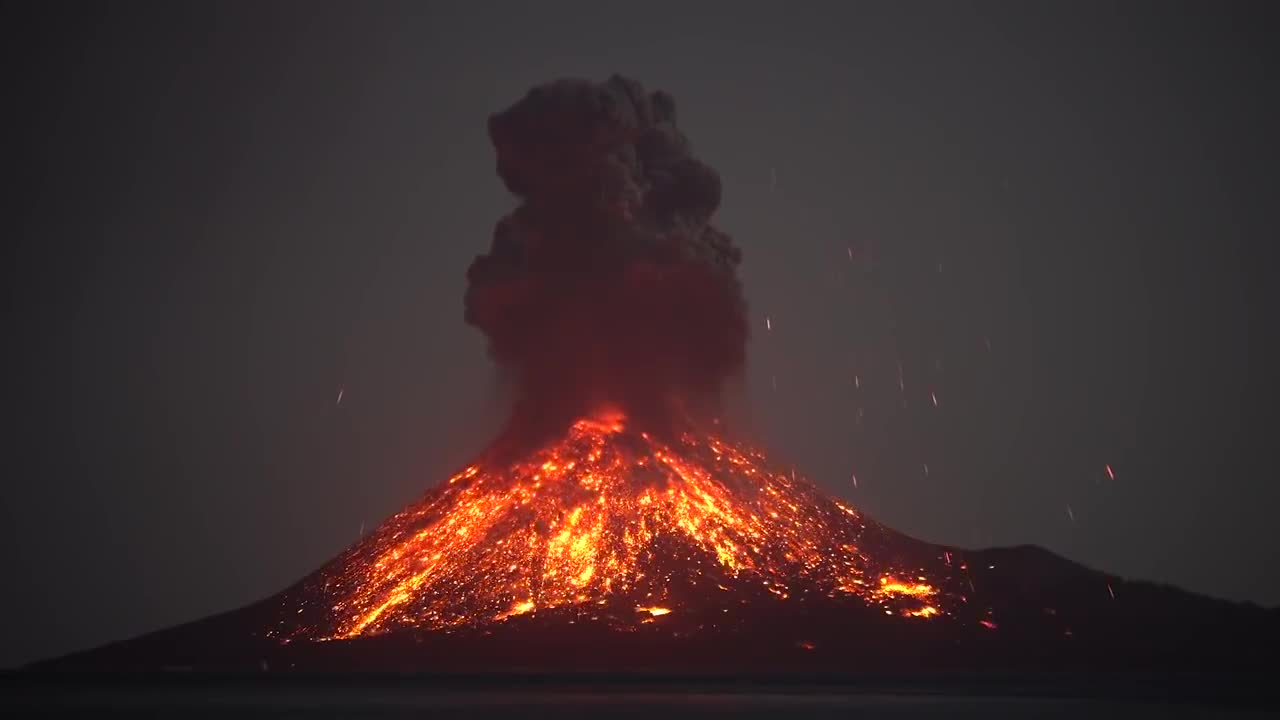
613 303
616 515
620 528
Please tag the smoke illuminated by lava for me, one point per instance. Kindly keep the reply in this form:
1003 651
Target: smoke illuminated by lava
608 284
614 522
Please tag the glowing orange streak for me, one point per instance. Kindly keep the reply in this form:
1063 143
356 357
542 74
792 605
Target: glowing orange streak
578 523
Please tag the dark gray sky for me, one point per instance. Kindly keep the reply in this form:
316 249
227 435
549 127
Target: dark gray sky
224 213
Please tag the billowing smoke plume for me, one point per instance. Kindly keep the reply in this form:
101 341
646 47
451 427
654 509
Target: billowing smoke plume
608 284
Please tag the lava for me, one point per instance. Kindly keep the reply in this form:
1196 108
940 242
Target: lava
608 516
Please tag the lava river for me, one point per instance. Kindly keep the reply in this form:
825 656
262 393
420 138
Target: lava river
610 516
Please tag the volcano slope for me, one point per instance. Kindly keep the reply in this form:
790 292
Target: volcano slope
608 549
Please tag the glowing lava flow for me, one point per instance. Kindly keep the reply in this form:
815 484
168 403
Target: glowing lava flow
610 517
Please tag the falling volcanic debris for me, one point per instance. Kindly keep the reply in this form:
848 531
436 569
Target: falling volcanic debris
608 284
614 521
615 304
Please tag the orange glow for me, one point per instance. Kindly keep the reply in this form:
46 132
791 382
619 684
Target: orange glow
519 608
926 611
890 586
607 516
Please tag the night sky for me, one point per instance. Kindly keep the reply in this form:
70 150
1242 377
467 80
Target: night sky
1059 218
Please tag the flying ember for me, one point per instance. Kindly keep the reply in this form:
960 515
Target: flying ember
611 520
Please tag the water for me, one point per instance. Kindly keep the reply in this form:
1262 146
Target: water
568 703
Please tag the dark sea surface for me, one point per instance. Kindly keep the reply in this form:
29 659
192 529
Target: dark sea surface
26 695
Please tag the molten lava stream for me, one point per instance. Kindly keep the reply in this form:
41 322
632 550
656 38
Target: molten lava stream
620 526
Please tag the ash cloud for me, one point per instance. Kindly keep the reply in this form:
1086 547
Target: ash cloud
608 284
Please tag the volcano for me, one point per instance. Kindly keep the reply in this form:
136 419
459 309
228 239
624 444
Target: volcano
610 549
615 525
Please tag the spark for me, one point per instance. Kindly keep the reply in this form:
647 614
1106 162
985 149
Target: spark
1070 515
1110 473
934 397
768 323
855 480
341 391
987 624
926 469
1111 592
850 249
901 384
857 383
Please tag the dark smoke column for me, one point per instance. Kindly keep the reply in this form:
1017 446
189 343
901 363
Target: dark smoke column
608 284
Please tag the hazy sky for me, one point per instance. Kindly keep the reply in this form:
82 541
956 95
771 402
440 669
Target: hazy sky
224 213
